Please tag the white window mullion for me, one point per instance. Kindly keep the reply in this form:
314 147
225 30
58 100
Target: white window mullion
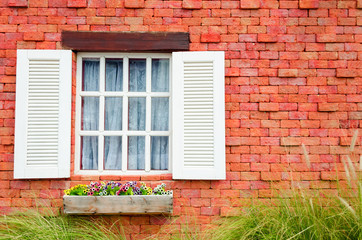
148 153
148 75
102 72
90 94
148 116
170 120
78 114
125 116
100 152
124 136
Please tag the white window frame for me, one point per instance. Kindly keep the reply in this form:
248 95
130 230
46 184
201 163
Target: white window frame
125 132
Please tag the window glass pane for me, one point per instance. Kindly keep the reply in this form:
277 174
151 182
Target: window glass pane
159 153
90 113
113 115
89 157
90 75
137 75
112 152
160 75
159 114
114 75
136 152
137 113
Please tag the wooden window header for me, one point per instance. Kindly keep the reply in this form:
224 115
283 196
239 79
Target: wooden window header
126 41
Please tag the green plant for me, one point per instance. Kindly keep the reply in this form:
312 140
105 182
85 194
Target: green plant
302 216
33 225
116 188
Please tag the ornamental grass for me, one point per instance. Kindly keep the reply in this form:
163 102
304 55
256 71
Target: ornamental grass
32 225
303 216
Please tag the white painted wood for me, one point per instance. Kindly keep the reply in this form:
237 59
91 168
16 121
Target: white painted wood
125 115
125 95
102 205
148 115
198 113
43 114
102 83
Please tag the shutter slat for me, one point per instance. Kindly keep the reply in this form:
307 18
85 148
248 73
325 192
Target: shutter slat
39 153
192 72
198 112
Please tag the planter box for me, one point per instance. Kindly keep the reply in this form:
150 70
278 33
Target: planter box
135 204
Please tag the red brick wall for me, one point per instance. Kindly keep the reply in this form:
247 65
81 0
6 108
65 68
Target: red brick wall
293 76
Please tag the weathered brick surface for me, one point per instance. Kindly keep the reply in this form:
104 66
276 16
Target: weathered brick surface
134 3
293 77
18 3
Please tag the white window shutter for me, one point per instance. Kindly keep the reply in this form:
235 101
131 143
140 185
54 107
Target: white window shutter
43 114
198 115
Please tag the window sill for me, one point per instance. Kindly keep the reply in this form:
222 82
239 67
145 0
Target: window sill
114 205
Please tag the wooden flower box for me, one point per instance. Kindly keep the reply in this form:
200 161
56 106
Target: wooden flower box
126 205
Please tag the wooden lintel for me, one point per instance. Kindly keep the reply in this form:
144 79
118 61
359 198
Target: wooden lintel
126 41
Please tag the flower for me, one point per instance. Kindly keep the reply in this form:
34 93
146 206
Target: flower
116 188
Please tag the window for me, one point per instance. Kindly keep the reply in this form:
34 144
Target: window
123 113
124 104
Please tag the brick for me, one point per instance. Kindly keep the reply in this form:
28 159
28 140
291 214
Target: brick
267 38
19 185
249 176
149 229
5 202
8 28
240 184
230 193
30 36
346 141
247 4
287 72
271 176
192 4
269 107
21 202
239 167
308 4
327 107
330 38
191 193
260 185
209 193
263 167
269 141
210 37
200 202
57 3
18 3
96 3
359 3
38 3
134 3
298 115
290 141
290 123
349 73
